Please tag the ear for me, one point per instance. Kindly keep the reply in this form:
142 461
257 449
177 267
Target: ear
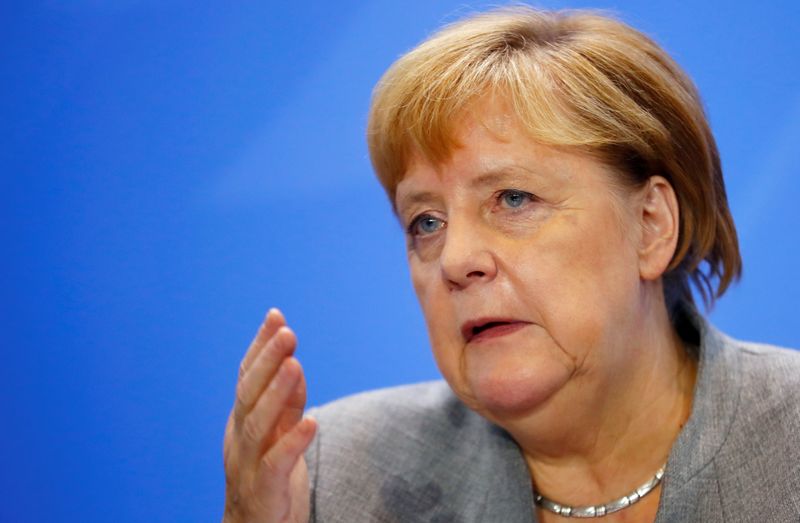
660 225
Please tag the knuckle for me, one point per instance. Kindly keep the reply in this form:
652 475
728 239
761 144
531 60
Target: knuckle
235 509
231 476
242 396
270 466
230 459
252 429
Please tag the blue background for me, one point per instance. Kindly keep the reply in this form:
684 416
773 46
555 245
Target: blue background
170 169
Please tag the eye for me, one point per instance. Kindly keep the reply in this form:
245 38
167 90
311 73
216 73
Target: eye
513 198
425 224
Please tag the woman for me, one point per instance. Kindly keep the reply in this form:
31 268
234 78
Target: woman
560 188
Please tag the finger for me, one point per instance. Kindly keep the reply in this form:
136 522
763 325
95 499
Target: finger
259 424
272 321
279 461
295 406
262 370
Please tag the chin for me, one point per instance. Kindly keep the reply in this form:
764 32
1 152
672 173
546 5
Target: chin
513 392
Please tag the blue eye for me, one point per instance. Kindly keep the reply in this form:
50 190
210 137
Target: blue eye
425 224
514 199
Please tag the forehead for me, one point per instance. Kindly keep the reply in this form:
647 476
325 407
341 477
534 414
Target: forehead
491 150
487 124
436 146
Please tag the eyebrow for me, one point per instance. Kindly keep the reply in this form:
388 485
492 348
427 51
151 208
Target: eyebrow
416 197
493 176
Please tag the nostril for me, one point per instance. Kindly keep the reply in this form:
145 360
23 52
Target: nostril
465 266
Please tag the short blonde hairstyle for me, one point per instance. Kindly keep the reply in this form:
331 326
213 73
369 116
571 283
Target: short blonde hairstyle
574 79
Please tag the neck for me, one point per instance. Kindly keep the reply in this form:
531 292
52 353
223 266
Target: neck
598 439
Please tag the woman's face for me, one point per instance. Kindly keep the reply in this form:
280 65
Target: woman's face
524 260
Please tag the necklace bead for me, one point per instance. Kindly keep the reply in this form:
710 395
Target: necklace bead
596 511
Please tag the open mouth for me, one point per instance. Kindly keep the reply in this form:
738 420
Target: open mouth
479 330
486 326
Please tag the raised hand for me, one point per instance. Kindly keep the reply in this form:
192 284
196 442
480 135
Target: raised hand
265 472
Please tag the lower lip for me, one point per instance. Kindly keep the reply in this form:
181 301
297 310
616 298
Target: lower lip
497 332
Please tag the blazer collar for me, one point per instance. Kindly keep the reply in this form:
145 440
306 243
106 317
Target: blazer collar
716 398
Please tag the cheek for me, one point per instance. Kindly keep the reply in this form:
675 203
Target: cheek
594 250
434 300
611 260
577 277
421 280
432 297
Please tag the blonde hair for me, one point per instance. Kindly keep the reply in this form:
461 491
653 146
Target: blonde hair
575 79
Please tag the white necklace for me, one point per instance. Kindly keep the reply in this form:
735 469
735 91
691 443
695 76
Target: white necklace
595 511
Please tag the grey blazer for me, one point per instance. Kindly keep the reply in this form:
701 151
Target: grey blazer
417 454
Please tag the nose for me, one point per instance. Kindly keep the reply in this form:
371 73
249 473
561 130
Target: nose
466 258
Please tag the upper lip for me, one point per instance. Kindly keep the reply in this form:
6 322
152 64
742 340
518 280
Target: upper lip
471 328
